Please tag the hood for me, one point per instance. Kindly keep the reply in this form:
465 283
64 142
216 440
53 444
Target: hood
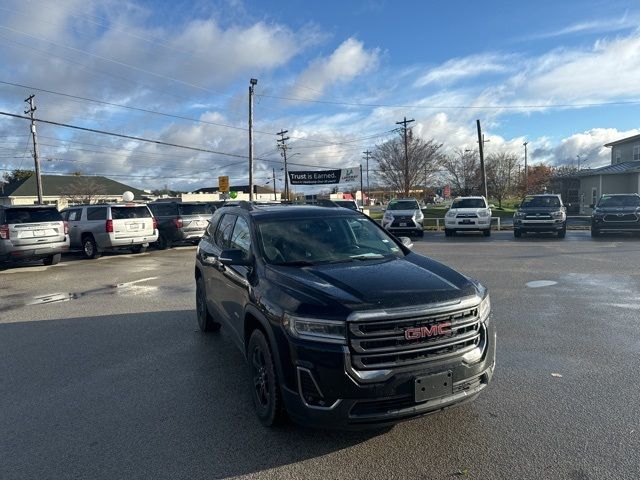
397 213
468 210
617 210
337 289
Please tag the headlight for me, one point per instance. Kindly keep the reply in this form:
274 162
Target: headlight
418 215
484 309
518 215
450 214
320 330
387 216
484 213
559 214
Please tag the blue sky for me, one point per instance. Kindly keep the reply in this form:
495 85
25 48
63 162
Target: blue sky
337 75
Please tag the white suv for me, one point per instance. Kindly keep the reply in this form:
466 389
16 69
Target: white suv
468 214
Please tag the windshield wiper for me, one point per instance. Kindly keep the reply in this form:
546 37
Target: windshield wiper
295 263
368 256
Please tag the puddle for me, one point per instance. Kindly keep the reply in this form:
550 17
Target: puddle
541 283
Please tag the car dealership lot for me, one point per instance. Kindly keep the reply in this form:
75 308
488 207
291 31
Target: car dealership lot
103 374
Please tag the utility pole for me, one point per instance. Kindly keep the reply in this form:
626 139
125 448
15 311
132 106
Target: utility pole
30 111
404 124
252 84
282 144
482 169
275 195
526 177
361 190
367 155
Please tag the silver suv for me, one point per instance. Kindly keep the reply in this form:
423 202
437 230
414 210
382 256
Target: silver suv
32 232
97 228
403 215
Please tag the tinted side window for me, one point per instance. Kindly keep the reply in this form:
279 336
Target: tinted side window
74 215
97 213
222 236
241 237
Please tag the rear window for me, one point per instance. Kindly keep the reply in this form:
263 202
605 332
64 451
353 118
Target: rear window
119 213
194 209
32 215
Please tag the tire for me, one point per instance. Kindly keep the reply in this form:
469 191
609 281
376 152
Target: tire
420 233
265 388
448 233
53 259
562 233
89 247
486 233
138 249
206 323
517 233
162 243
595 232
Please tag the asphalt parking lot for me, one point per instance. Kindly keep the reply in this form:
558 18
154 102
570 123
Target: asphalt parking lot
103 374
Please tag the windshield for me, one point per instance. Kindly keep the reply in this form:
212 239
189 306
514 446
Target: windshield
403 205
310 241
469 203
32 215
544 201
619 201
194 209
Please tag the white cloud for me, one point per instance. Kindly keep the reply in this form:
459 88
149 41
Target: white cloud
604 25
465 67
348 61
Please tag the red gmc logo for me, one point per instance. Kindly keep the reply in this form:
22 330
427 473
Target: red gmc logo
432 331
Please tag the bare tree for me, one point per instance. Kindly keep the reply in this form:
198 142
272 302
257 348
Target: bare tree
463 172
502 175
83 190
404 174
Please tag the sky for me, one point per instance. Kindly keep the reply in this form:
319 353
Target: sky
563 76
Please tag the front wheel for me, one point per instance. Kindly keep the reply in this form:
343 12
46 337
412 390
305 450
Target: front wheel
420 233
265 389
562 233
162 243
448 233
486 233
517 233
595 232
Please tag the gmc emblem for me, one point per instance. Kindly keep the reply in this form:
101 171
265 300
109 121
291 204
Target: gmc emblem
432 331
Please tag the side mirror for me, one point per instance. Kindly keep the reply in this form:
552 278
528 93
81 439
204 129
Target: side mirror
234 257
567 205
491 205
593 205
406 241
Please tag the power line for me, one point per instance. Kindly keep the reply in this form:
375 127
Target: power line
120 135
455 107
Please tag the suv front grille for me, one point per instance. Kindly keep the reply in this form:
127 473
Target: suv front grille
626 217
536 216
380 344
467 215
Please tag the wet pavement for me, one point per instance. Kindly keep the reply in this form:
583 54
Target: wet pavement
103 374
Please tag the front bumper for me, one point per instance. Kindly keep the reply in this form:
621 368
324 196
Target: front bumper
539 225
349 403
605 226
476 224
189 234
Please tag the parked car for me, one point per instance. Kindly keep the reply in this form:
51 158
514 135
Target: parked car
350 204
540 213
616 213
403 215
180 221
31 233
109 227
341 324
468 214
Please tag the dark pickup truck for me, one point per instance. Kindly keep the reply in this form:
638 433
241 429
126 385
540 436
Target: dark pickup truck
341 324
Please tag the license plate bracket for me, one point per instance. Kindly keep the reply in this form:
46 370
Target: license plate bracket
467 222
403 224
433 386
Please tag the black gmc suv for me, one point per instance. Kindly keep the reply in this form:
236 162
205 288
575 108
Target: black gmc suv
341 324
616 213
540 213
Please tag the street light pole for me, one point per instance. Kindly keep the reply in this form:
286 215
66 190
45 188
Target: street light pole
252 84
526 178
